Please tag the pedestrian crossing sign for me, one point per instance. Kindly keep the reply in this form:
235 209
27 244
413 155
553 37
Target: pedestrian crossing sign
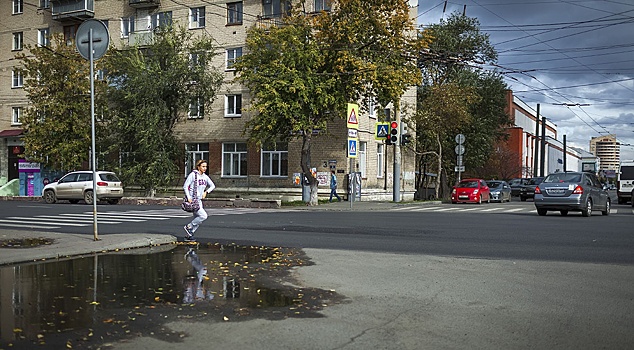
381 131
352 148
353 116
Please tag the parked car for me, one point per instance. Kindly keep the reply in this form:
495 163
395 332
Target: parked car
500 191
571 191
516 185
528 190
77 185
470 191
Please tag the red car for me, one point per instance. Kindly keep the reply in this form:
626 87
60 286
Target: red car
471 191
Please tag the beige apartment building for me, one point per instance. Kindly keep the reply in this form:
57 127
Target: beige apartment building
608 149
238 169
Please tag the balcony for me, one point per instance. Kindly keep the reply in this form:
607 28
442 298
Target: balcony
268 23
144 38
75 9
142 4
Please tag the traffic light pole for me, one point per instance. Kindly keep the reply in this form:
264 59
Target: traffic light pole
396 179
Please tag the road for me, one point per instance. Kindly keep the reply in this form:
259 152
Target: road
497 231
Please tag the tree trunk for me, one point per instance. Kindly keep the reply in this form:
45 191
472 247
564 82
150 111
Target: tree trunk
305 162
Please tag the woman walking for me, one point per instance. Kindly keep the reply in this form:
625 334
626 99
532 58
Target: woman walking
196 187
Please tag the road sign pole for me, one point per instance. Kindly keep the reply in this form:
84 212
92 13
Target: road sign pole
94 150
396 185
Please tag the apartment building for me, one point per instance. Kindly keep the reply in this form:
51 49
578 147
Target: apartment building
215 132
608 150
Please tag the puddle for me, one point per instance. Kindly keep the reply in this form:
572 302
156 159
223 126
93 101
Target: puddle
88 301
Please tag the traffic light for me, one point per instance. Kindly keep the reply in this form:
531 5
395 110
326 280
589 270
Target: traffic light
393 136
405 139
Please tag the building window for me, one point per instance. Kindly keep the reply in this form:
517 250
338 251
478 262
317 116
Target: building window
44 4
232 55
16 112
197 17
18 41
362 158
17 80
69 33
322 5
18 6
372 108
234 159
194 153
380 160
234 13
197 59
233 106
196 108
274 160
161 19
127 26
43 37
275 8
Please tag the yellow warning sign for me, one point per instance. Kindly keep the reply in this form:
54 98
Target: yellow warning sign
353 116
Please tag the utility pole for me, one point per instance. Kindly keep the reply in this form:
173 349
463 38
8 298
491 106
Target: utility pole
542 160
565 152
396 185
536 143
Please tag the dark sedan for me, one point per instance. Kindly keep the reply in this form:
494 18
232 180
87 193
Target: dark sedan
528 190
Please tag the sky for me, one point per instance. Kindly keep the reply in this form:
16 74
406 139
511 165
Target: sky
575 58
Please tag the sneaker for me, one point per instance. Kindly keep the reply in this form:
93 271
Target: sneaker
190 234
190 239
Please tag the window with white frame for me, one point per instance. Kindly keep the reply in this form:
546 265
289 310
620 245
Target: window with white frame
275 8
194 153
233 54
322 5
18 40
363 158
380 160
18 6
43 37
233 106
197 17
274 160
234 159
372 108
44 4
196 108
197 59
161 19
16 113
234 12
17 80
127 26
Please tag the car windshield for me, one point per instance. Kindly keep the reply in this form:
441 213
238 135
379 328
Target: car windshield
468 184
110 177
554 178
535 181
494 184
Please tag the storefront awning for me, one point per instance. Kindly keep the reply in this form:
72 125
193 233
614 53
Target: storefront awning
11 132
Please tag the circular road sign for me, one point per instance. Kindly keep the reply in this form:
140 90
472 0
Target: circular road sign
100 39
459 149
460 139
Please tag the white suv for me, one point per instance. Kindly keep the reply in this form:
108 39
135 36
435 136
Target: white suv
77 185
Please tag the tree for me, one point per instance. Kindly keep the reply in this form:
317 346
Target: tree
457 96
302 73
150 89
58 122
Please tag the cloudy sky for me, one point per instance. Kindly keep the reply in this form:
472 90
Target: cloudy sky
573 57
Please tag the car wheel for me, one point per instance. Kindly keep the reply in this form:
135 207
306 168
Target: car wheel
542 212
587 211
563 212
73 201
607 208
113 201
480 199
88 197
49 197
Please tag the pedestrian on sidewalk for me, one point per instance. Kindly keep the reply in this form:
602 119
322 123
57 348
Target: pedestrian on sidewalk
199 182
333 186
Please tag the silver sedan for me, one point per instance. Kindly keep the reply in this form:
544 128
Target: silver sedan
500 191
571 191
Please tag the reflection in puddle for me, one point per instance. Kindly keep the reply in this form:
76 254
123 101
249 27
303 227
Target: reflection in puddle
60 304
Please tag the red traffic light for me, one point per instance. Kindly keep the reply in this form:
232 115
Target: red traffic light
394 125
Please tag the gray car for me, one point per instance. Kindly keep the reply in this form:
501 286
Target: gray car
571 191
500 191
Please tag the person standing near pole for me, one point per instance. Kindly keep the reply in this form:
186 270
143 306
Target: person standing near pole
333 186
197 181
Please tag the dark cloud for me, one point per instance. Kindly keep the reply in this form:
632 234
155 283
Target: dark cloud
571 52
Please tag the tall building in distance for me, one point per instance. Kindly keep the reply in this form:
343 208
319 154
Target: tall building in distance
607 148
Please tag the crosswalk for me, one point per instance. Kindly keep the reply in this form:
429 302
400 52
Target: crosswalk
503 209
113 217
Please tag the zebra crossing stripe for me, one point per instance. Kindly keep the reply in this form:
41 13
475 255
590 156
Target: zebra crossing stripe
126 219
27 226
513 210
427 208
54 223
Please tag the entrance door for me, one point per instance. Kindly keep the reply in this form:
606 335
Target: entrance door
15 153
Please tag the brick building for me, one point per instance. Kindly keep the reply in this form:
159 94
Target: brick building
239 170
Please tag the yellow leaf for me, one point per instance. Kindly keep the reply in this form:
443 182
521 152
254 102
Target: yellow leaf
225 318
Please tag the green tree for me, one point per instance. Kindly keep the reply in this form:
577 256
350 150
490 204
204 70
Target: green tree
303 72
150 89
457 96
58 122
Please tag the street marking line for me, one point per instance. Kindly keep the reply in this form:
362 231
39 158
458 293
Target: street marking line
55 223
492 209
81 219
513 210
28 226
423 209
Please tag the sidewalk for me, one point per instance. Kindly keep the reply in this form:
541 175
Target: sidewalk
68 244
